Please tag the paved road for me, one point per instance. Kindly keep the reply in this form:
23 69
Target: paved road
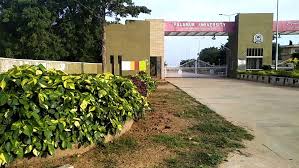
271 113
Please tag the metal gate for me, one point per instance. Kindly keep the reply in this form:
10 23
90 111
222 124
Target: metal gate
195 69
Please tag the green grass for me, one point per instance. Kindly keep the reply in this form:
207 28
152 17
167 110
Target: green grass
171 141
205 144
120 145
195 159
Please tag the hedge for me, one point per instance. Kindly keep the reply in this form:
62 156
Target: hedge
279 73
43 110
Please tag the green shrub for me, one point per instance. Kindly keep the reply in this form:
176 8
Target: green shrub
267 67
241 72
262 73
255 72
42 110
141 86
283 73
279 73
295 74
148 80
248 72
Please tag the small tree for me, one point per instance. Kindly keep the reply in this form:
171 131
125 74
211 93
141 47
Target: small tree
295 55
188 63
213 55
274 51
295 61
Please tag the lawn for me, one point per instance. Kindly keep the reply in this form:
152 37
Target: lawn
178 132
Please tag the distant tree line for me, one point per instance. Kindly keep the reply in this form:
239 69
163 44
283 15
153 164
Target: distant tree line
216 56
211 55
70 30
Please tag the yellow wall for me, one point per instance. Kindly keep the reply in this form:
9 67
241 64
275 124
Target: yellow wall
250 25
134 41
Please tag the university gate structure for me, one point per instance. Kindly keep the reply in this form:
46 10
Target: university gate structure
139 45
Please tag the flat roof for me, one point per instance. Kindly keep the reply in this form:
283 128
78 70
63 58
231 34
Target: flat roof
290 46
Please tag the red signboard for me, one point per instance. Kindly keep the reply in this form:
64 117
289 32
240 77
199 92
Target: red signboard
287 26
199 27
227 27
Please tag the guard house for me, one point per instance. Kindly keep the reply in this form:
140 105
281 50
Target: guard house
135 46
139 45
251 42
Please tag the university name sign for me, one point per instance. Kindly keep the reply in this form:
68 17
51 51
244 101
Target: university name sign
200 26
284 27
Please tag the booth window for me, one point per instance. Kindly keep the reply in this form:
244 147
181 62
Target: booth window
254 59
120 65
255 52
254 63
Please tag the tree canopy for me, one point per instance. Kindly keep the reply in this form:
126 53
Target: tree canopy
187 63
274 51
212 55
70 30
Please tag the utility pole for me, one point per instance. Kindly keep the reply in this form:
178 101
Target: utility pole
196 66
276 56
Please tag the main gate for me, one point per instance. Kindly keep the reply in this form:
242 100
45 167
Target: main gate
195 69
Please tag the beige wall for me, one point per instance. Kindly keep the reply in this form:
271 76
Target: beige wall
134 41
157 42
68 67
156 38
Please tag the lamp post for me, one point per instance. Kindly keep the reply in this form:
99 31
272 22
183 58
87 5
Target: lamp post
276 56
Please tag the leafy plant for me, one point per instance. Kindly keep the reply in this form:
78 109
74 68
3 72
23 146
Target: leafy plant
295 74
279 73
42 110
141 86
241 72
295 61
148 80
267 67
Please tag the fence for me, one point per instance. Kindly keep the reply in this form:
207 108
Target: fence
192 72
194 69
68 67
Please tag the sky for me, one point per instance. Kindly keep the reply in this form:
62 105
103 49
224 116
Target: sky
179 48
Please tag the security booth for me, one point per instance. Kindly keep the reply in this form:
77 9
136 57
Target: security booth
135 46
251 44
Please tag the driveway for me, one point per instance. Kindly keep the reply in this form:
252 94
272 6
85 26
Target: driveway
270 112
